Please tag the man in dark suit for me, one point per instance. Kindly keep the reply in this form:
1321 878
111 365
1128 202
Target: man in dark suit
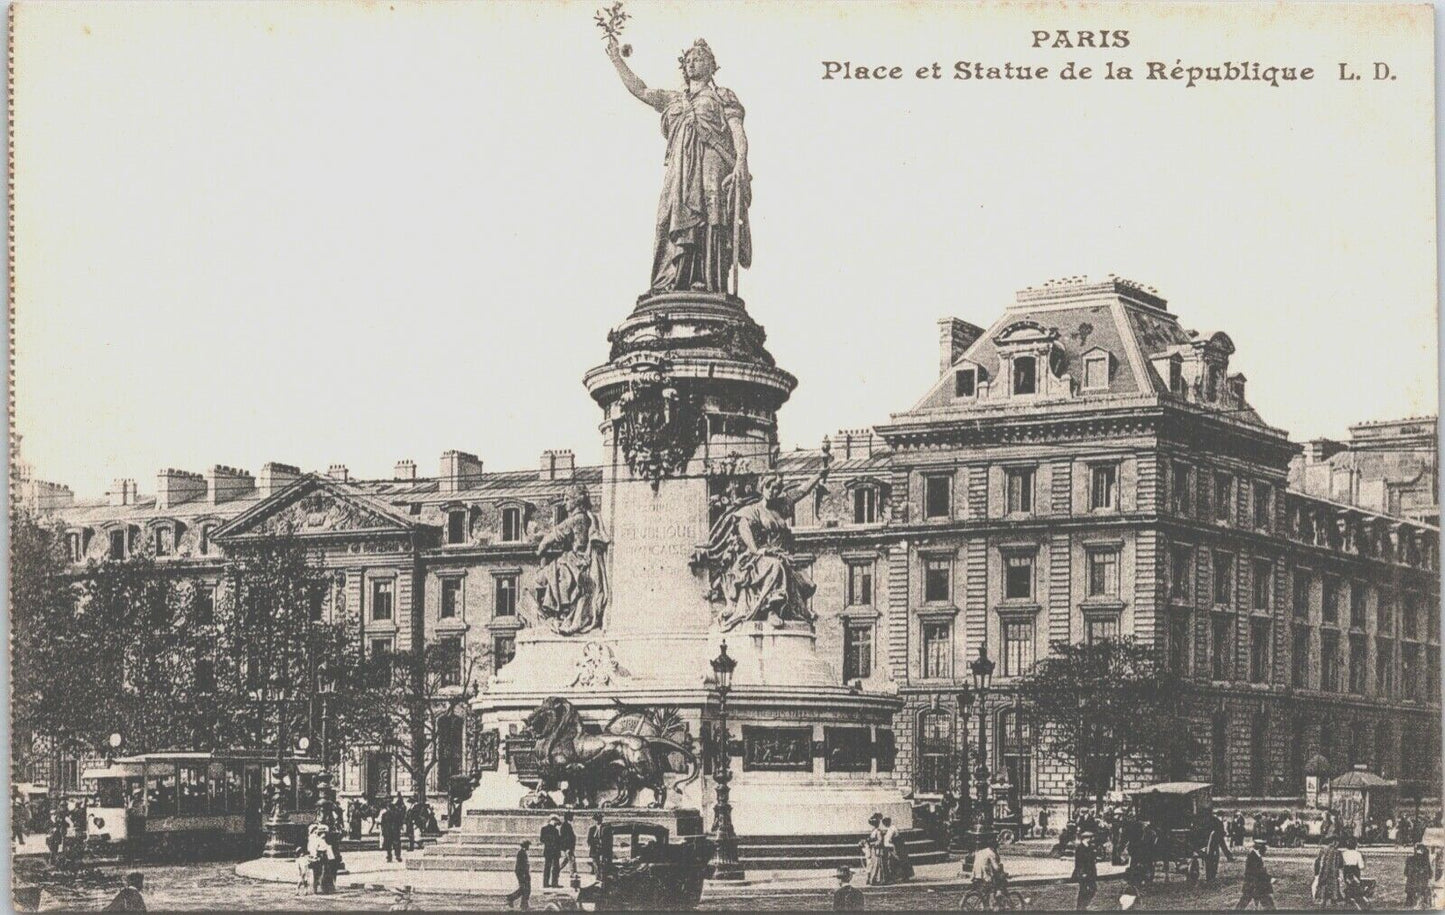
552 852
523 892
1086 870
847 897
391 822
1215 844
1258 884
594 842
569 843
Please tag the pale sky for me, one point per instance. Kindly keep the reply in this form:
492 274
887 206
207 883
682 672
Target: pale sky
362 232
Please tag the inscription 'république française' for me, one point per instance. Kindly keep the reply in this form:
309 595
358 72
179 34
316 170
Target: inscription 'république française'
1189 74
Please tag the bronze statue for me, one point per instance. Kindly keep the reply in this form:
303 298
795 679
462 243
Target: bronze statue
572 587
750 554
616 760
702 216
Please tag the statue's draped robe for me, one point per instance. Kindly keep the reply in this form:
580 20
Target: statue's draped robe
760 579
572 588
695 213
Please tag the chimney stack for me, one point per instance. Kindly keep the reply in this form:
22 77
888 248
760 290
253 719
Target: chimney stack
338 472
122 492
405 470
558 464
43 496
854 442
276 477
176 487
955 336
226 484
459 471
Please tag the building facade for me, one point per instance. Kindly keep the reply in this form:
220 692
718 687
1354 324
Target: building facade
1083 468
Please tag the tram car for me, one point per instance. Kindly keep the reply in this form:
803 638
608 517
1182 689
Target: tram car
183 802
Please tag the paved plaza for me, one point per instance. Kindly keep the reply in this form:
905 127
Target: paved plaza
223 885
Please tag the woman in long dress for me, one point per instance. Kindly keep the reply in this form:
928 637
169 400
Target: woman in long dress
873 858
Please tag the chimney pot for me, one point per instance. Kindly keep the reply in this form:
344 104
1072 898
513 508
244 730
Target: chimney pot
226 484
459 470
338 472
558 464
405 470
275 477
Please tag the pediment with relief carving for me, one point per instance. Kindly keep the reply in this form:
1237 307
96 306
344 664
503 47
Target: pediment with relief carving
312 510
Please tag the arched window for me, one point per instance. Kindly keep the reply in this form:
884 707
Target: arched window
1025 381
1219 751
935 752
1015 750
1384 740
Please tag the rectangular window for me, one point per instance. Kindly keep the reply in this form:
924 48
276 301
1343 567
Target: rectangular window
1262 503
937 580
964 383
504 649
380 648
1263 584
1432 673
1181 572
1101 627
162 541
205 606
1223 579
451 598
457 525
1300 658
938 495
1385 614
1020 490
857 651
1410 672
1018 577
72 546
205 545
1179 488
1103 573
860 584
1096 373
1103 486
1259 651
383 591
117 544
1385 667
1018 647
205 676
1301 594
865 505
1024 377
1358 650
1219 646
450 662
1357 605
506 595
1410 615
1180 635
511 524
1330 661
1223 497
1176 376
937 649
1330 610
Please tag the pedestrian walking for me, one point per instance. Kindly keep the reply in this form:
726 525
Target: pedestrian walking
1326 889
391 819
1258 884
594 843
1086 870
900 868
1417 878
18 815
847 897
1236 830
129 899
415 820
353 818
552 852
523 893
55 838
1214 846
874 860
569 843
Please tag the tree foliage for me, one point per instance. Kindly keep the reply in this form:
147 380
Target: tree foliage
1096 704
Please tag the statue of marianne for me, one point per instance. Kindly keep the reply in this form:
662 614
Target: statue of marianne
701 228
572 587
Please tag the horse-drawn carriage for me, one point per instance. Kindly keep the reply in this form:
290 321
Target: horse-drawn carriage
1179 813
640 868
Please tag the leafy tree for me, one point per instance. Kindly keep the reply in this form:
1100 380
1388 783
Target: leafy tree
1096 704
412 694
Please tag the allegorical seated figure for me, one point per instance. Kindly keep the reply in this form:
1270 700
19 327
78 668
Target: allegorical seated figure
750 546
572 586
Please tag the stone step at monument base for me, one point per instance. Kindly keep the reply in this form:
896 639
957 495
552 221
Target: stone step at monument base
828 851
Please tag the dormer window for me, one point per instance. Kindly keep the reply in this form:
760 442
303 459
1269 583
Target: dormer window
1212 377
965 382
865 505
457 526
1176 375
117 544
74 546
1096 371
204 545
1025 370
163 539
511 524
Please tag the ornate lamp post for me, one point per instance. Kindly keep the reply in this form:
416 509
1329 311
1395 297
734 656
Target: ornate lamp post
1016 805
276 846
325 689
982 670
725 858
962 811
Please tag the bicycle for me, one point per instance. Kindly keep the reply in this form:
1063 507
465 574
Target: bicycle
990 899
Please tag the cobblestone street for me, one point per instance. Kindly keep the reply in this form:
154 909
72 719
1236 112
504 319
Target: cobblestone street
215 886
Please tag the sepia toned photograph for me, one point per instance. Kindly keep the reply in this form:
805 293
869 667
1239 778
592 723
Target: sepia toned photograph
750 456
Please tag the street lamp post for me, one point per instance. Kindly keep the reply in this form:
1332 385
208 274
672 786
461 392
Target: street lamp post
276 846
725 858
982 670
1016 809
325 688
